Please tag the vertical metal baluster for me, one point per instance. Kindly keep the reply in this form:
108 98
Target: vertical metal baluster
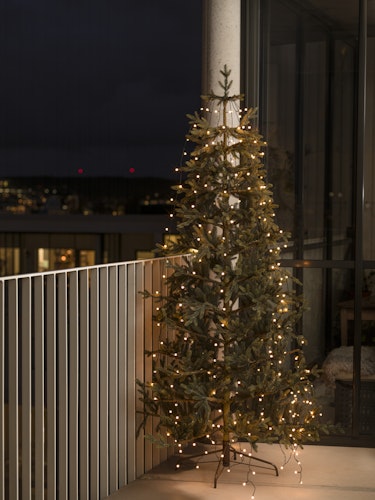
148 325
39 385
103 383
113 378
139 361
156 335
13 390
131 374
94 385
73 385
51 387
62 310
84 385
122 384
167 271
26 387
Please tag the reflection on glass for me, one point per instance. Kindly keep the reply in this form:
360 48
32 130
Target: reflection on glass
307 118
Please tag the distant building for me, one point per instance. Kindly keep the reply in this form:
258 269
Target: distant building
76 224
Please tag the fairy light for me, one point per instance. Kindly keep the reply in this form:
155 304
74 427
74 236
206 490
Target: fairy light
281 308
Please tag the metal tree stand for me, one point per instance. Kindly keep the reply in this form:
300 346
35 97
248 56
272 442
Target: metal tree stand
225 460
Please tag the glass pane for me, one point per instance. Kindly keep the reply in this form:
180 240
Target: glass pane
313 323
308 120
9 261
55 258
336 359
369 167
309 116
336 385
313 135
278 110
340 193
86 258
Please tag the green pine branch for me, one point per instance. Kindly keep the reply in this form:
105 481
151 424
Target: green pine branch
229 351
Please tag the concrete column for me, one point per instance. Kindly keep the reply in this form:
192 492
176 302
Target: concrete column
221 43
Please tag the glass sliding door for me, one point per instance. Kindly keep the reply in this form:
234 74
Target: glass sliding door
311 83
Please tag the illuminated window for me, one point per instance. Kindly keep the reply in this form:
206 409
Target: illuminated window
9 261
87 258
55 258
51 259
145 254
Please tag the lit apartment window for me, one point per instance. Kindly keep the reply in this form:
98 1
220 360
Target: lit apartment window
144 254
9 261
86 258
55 258
64 258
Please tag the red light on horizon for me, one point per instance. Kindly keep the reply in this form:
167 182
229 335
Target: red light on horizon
80 171
132 170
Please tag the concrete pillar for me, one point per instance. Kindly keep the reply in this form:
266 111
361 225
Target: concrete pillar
221 43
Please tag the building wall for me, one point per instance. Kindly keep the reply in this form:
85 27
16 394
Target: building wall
39 243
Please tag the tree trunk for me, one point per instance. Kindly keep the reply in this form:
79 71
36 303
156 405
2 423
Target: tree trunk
226 454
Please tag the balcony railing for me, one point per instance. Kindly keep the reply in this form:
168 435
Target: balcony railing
72 345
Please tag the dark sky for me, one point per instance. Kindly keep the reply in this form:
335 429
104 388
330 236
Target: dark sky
98 85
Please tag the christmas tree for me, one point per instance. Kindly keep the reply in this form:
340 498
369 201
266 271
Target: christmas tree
231 368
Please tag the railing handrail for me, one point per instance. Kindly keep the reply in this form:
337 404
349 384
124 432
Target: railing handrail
85 268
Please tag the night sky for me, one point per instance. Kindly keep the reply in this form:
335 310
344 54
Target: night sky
97 87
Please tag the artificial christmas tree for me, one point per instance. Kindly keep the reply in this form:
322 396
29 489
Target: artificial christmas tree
231 368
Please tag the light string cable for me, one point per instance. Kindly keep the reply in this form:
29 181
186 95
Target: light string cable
209 113
200 457
243 456
177 169
215 119
250 472
293 454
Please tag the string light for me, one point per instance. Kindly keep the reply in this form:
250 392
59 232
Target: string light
275 355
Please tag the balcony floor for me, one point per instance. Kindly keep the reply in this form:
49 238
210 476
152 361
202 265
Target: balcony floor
328 473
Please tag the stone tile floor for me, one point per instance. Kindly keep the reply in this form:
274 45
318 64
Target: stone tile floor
328 473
